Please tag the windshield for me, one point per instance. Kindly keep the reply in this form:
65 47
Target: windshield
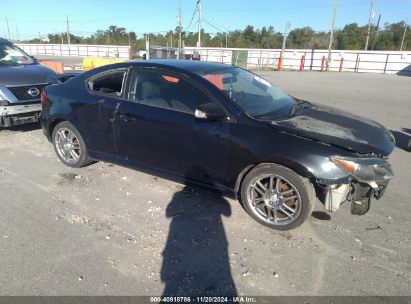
253 94
12 55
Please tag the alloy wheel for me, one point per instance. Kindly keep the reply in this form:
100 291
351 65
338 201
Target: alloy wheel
67 145
274 199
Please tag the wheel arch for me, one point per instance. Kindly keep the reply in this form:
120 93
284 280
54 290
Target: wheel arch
292 165
54 121
53 125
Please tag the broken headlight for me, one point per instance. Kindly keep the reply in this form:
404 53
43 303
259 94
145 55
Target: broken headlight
365 170
3 99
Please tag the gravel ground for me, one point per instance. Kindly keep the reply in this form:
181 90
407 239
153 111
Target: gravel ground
109 230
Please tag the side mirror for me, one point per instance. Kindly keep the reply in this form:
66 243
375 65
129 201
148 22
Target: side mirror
34 59
209 112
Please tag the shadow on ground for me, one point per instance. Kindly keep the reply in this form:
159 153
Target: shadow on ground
195 258
321 215
403 139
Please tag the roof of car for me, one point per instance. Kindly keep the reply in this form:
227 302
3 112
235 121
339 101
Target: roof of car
195 66
4 41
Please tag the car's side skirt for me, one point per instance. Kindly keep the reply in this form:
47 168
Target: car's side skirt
162 173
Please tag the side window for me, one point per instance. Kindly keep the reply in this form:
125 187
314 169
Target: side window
108 83
165 91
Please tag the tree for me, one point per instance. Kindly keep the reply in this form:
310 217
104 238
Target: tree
301 38
351 37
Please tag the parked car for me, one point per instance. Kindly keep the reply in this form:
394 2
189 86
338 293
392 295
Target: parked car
21 80
221 127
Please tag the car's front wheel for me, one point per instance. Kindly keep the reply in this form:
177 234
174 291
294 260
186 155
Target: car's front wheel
70 146
277 197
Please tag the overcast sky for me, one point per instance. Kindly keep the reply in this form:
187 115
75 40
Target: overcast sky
29 17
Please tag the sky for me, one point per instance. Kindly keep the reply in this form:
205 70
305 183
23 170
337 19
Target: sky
28 18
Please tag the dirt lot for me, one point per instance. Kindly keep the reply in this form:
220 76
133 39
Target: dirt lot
106 229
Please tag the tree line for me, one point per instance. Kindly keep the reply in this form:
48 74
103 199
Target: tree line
351 37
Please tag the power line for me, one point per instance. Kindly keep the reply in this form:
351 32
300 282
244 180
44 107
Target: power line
187 30
218 29
286 8
218 25
192 17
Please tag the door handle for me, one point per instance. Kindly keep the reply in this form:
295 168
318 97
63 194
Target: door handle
127 118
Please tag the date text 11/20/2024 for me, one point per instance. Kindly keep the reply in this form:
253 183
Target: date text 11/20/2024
199 299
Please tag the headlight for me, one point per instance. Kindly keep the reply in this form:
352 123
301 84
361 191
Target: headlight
365 169
3 97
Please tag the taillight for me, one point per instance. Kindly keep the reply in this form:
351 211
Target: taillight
43 96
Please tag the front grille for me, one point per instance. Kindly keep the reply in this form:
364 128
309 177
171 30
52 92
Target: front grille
22 93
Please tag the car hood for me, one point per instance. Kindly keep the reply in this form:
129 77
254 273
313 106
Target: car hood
26 74
340 128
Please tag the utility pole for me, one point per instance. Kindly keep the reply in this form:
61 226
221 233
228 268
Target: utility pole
369 25
287 25
8 29
376 33
226 40
61 36
331 35
200 8
147 37
403 36
17 33
68 30
179 20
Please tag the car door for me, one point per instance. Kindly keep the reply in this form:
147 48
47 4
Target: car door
104 93
157 127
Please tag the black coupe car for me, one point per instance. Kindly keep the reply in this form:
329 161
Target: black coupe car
222 127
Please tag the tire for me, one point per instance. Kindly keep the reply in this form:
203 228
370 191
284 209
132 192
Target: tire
287 201
71 149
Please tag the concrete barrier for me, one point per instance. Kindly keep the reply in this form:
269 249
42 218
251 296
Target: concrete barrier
79 50
389 62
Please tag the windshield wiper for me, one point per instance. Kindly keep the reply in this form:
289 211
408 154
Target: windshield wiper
298 105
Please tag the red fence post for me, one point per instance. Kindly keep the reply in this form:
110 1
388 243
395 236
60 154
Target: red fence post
322 64
280 59
341 64
302 63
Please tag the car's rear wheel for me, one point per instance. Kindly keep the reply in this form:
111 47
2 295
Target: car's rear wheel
277 197
70 146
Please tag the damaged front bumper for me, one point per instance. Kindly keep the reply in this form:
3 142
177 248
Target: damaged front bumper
368 178
12 115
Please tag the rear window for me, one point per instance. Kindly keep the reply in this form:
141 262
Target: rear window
108 83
